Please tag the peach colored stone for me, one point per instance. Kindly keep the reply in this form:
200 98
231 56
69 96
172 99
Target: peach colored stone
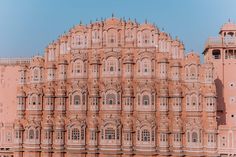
117 88
222 53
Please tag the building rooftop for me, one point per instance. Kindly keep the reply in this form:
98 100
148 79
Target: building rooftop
14 61
229 26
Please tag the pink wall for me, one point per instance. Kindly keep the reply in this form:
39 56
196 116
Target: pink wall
225 80
8 89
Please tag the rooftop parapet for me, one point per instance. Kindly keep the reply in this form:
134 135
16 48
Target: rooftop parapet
14 61
214 42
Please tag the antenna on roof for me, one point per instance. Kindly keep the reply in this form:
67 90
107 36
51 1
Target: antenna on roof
112 15
229 20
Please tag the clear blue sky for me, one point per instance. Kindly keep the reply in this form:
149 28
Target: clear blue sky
27 26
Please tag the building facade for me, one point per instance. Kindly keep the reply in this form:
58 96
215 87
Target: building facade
8 112
221 51
115 88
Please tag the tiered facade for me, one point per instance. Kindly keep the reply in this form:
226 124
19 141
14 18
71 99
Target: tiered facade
116 88
221 51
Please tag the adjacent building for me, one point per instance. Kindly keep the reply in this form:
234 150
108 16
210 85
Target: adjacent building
221 51
8 92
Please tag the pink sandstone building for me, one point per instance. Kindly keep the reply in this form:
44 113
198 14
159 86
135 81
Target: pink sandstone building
8 103
221 51
116 88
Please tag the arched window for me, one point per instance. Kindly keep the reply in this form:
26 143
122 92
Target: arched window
62 73
145 135
194 100
76 100
112 36
187 74
82 133
47 134
37 134
163 70
146 66
175 52
31 134
111 68
79 40
111 99
51 74
216 54
95 36
193 72
146 100
51 55
187 100
109 133
36 74
34 100
188 136
164 104
111 65
211 138
177 137
194 137
59 135
75 134
163 137
129 35
78 67
22 76
175 73
138 66
146 38
63 48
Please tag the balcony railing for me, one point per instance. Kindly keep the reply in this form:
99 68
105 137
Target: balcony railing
220 42
14 61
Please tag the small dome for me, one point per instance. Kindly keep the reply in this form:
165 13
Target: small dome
60 123
48 123
229 26
79 28
50 92
21 92
18 125
146 26
112 21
